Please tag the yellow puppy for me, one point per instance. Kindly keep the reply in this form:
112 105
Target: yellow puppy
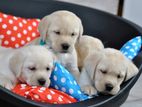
61 30
105 71
86 46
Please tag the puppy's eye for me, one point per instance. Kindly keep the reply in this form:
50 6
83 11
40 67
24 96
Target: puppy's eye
47 68
73 34
32 68
57 32
119 76
103 71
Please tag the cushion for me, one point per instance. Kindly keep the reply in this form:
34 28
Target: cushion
131 48
43 94
16 31
62 80
68 91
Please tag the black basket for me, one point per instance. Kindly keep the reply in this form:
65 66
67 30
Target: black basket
112 30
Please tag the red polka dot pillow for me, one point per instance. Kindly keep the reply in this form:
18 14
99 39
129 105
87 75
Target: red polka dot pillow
16 31
42 94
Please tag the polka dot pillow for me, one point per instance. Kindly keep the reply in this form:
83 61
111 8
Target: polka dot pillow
62 80
43 94
16 31
132 47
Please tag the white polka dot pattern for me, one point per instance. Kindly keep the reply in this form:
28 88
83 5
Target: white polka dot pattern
49 97
4 26
1 36
52 92
132 47
6 42
43 94
27 92
71 91
36 96
62 80
0 19
12 38
34 86
60 99
17 31
63 89
43 88
15 28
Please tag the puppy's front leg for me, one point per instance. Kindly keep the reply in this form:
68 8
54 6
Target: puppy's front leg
74 71
6 82
85 83
71 65
89 89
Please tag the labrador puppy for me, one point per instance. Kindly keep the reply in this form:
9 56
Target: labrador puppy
32 65
60 31
85 46
104 71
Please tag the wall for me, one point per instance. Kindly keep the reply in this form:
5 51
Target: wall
110 6
133 11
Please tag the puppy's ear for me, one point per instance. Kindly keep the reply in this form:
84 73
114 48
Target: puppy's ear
132 70
16 63
91 63
43 27
80 30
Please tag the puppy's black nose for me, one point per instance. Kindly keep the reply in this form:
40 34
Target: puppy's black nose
65 46
41 81
109 87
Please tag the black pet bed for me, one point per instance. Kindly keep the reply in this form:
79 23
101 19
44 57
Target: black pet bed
112 30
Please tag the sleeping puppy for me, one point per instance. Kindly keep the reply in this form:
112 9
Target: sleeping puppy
32 65
85 46
61 30
104 71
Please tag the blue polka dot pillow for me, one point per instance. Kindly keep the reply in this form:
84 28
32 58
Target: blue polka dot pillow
62 80
132 47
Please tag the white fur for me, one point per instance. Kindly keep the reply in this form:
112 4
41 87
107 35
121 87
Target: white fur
86 46
62 27
108 60
16 64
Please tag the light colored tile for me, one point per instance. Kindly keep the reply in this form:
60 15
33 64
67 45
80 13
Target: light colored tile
136 103
135 96
136 91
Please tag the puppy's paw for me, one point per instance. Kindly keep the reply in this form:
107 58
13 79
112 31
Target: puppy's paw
7 84
75 72
88 89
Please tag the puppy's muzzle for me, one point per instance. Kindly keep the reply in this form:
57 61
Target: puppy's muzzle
108 87
65 46
41 81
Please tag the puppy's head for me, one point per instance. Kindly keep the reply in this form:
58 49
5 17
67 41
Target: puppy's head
61 29
33 65
108 69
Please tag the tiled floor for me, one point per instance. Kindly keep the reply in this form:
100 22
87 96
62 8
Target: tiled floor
135 96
